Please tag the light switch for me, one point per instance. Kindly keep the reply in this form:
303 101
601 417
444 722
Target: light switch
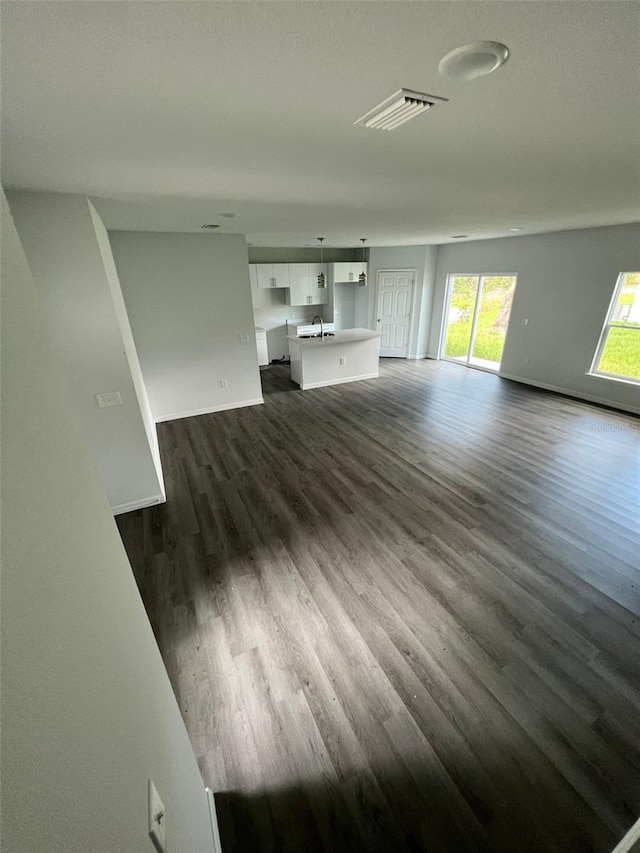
157 820
244 339
111 398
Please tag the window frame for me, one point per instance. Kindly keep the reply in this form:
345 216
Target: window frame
449 285
610 323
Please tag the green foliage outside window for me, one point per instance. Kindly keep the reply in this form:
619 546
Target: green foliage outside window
491 327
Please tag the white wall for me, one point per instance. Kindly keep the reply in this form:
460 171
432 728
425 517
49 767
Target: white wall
420 258
58 233
425 308
87 709
344 305
565 283
127 338
189 301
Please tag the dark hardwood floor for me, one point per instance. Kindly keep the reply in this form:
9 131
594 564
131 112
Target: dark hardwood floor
403 614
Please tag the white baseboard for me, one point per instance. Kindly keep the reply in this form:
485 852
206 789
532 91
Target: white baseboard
629 841
141 504
588 398
417 357
208 411
309 385
215 833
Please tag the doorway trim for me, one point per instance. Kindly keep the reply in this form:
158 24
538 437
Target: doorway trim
374 318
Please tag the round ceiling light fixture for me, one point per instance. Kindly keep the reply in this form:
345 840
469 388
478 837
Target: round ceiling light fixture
230 215
473 60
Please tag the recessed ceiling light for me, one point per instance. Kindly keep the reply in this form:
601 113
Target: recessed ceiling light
399 108
516 228
229 215
459 236
208 226
473 60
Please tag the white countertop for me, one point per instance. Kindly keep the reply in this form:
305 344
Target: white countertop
345 336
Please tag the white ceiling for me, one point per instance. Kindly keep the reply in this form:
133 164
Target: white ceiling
170 113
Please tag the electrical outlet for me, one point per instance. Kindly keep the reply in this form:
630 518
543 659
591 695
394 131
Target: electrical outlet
111 398
157 820
224 383
244 339
343 360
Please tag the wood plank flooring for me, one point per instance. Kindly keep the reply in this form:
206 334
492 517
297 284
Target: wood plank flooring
403 614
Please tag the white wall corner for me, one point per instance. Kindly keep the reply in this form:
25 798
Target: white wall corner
130 351
197 348
78 627
68 253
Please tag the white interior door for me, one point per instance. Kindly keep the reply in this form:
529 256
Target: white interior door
395 297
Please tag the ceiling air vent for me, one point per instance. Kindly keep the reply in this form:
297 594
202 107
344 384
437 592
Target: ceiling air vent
400 107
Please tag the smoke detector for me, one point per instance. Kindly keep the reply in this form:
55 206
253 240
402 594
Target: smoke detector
473 60
399 108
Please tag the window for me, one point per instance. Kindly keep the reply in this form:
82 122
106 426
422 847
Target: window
618 353
476 318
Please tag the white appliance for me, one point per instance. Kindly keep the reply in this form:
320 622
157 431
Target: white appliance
304 327
261 344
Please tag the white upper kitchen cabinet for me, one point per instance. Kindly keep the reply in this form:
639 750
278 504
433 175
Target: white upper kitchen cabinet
303 283
348 271
319 295
271 275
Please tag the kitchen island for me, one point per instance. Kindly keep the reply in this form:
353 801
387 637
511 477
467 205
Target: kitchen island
347 356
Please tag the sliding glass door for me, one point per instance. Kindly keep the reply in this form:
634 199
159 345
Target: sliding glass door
477 315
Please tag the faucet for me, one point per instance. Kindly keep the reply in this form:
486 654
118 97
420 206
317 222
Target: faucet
313 322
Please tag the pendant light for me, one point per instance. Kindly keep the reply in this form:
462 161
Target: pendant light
322 279
362 278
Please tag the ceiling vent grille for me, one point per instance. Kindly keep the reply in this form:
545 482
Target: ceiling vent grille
399 108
